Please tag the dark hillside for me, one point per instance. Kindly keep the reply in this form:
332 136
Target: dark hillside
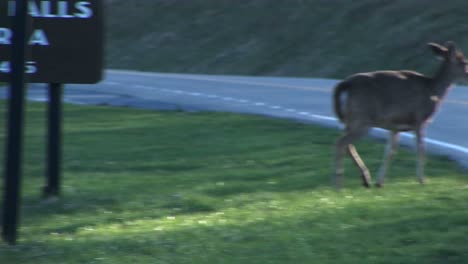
315 38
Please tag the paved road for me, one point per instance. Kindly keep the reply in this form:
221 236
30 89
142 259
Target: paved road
303 99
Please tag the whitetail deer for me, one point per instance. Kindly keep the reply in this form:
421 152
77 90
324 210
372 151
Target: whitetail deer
396 101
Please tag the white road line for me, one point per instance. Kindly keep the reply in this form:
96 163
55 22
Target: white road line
438 143
288 110
144 87
324 117
446 145
211 79
265 84
111 83
432 141
38 98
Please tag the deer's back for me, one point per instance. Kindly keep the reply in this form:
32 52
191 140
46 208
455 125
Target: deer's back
396 100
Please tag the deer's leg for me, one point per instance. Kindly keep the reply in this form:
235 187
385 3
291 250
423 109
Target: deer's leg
421 155
365 175
341 147
389 151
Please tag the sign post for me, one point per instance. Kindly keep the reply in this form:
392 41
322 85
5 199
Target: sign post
65 45
15 127
54 140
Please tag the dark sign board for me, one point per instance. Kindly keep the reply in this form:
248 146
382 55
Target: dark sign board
65 41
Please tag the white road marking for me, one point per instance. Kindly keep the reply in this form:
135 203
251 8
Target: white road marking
211 79
324 117
265 84
435 142
38 98
439 143
144 87
111 83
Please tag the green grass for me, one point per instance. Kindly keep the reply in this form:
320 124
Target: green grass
176 187
314 38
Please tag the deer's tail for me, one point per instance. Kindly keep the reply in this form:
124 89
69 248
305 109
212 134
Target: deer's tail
339 98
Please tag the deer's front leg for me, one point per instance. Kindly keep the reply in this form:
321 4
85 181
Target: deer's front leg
421 155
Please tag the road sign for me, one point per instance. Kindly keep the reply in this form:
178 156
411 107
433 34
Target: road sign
65 42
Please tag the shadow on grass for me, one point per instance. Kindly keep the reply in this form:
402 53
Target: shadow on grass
357 233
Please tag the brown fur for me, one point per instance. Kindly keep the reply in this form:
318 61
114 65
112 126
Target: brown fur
393 100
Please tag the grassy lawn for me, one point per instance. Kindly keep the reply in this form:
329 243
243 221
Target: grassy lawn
175 187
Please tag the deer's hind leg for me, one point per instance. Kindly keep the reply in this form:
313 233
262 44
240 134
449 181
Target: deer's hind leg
343 145
365 175
392 143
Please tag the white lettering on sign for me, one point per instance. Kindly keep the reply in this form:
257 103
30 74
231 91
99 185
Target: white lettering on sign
29 67
38 37
11 8
46 9
83 7
55 9
5 36
32 9
63 10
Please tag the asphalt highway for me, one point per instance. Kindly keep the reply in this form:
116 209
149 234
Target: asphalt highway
303 99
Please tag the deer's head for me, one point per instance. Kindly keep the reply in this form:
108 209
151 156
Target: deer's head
454 60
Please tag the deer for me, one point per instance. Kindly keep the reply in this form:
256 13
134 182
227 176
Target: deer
397 101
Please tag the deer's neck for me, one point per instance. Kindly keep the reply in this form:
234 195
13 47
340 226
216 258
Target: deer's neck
442 81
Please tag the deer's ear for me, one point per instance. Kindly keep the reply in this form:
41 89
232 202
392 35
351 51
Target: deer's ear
438 50
451 50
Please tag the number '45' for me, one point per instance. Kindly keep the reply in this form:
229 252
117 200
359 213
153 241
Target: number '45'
30 67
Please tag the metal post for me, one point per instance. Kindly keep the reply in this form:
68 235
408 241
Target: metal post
54 140
12 177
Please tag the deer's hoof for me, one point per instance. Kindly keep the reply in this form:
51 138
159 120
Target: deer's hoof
366 184
379 185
